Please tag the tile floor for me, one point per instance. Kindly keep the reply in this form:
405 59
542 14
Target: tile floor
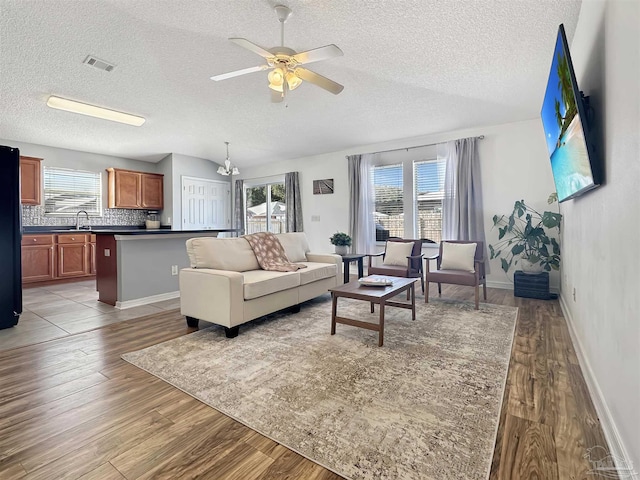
56 311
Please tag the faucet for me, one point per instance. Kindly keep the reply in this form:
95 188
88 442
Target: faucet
78 218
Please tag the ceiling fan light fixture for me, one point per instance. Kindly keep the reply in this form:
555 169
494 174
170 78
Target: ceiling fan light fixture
293 81
227 169
276 79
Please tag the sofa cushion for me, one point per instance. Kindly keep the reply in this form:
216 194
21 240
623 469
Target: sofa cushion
233 254
258 283
295 246
316 271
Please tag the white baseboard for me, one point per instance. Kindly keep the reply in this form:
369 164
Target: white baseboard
616 445
502 285
147 300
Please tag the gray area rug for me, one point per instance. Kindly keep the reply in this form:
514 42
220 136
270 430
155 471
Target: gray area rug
424 406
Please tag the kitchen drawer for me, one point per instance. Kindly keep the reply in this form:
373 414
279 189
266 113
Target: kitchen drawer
37 240
72 238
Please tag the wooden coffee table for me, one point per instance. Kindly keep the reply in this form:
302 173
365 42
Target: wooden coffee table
379 295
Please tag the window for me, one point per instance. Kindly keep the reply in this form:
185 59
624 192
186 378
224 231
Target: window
409 194
428 177
389 205
68 191
260 199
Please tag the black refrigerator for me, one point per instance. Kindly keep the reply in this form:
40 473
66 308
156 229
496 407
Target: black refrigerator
10 237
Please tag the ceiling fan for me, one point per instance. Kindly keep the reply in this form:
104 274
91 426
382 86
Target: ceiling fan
284 63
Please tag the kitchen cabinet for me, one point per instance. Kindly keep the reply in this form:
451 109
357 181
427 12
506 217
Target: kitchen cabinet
38 264
30 181
47 257
72 256
137 190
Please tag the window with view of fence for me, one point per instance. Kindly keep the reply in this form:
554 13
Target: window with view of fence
389 208
428 177
265 208
427 195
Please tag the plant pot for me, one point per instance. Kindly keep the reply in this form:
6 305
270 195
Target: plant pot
530 268
342 249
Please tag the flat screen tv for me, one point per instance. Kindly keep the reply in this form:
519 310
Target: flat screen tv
565 126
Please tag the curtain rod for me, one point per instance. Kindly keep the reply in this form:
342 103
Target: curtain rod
479 137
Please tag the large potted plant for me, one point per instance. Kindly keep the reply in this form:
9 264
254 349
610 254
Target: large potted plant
341 240
524 239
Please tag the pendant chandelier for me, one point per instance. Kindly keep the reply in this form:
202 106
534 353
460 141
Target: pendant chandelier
227 169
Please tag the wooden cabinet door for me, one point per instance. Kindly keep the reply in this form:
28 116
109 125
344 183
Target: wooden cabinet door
30 181
152 191
72 260
38 258
37 263
127 189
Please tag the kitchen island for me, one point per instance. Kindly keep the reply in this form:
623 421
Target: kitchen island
135 267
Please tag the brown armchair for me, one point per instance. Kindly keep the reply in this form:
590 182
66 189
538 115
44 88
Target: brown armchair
458 276
411 269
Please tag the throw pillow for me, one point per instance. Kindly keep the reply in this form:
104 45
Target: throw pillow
397 253
295 246
458 256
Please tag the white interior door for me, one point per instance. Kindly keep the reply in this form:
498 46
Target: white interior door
206 204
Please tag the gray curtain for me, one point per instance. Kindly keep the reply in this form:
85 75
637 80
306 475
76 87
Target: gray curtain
462 216
361 203
293 202
238 210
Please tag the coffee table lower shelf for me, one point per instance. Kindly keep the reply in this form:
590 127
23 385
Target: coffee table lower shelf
373 295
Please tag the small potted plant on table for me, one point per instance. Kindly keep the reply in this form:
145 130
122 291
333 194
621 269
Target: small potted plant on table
342 241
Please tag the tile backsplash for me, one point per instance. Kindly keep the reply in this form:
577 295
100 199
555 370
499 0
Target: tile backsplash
35 216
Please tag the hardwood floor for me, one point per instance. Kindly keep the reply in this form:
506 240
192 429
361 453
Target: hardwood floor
71 408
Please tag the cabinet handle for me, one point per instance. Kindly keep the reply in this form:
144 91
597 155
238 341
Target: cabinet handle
35 239
73 238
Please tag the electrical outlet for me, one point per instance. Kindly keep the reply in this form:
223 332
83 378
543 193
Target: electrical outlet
315 218
168 220
107 252
174 269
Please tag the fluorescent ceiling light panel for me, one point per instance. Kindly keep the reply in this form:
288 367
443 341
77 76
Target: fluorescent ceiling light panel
93 111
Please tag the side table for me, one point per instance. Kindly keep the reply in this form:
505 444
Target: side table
352 257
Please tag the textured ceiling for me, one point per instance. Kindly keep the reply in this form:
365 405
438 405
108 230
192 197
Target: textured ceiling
410 67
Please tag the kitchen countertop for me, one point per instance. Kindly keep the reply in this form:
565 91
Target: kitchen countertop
115 230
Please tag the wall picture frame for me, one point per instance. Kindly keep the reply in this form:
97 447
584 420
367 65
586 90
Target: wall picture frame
323 187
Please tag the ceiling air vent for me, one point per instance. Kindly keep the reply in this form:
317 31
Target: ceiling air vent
97 63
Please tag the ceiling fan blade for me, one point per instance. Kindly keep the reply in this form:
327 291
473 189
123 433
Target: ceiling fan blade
319 80
237 73
276 97
317 54
243 42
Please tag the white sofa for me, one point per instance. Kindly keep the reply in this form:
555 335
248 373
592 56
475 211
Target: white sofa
226 286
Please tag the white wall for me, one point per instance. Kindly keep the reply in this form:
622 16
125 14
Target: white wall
184 165
515 166
601 229
164 167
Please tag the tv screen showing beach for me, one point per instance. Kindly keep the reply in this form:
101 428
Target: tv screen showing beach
563 127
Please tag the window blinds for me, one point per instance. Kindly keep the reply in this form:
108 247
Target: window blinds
428 178
68 191
389 210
